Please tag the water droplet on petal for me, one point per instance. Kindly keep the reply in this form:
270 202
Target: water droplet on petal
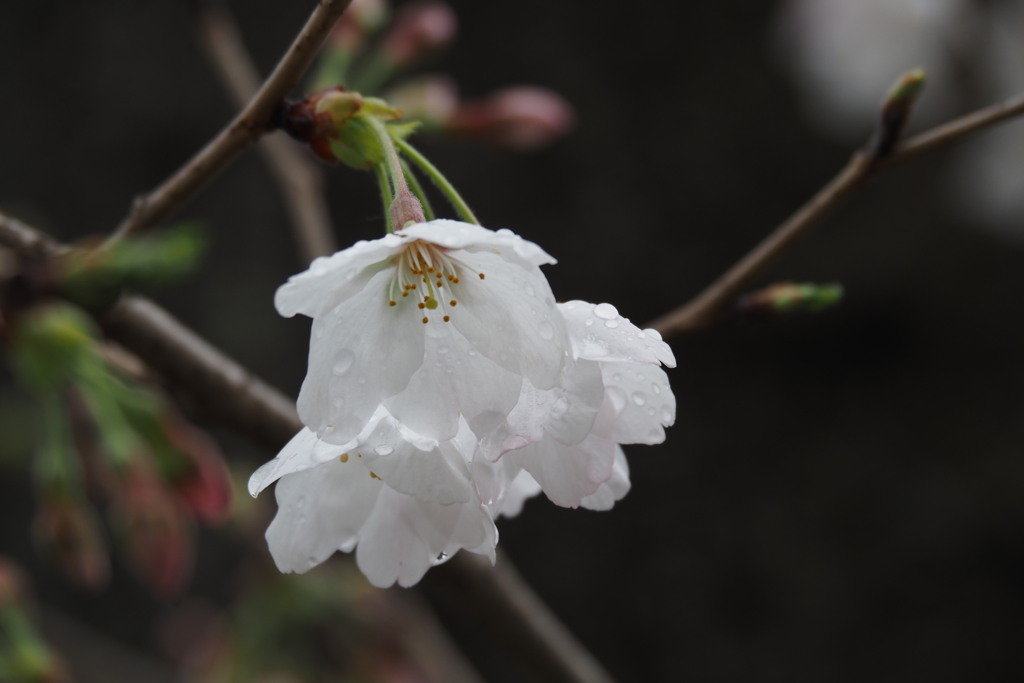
442 349
343 361
590 321
383 450
656 388
639 398
651 411
606 311
667 416
546 331
611 324
651 332
530 291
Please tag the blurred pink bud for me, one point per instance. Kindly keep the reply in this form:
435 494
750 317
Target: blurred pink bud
12 583
154 529
522 118
204 485
68 531
419 29
431 99
361 20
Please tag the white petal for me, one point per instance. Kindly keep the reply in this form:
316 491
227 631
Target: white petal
522 488
404 537
641 400
565 413
325 283
320 511
617 486
454 381
416 466
304 451
567 474
360 353
458 235
599 333
510 317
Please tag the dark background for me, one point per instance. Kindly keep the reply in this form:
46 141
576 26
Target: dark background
840 498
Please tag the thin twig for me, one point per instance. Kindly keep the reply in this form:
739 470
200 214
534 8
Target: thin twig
253 408
300 182
703 309
252 122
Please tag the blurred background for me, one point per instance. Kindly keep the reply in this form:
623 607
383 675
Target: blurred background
840 498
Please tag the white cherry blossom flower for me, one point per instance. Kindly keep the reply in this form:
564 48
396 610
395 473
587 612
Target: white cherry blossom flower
613 392
438 322
400 500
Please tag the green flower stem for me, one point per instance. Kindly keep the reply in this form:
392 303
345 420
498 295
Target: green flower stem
456 200
384 183
56 466
417 189
404 206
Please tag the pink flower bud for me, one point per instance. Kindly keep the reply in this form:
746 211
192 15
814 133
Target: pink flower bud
67 531
431 99
204 484
419 29
361 20
522 118
155 530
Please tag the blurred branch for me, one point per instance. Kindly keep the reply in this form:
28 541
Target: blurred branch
242 401
252 122
703 309
300 182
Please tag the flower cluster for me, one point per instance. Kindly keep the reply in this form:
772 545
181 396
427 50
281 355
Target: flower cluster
446 386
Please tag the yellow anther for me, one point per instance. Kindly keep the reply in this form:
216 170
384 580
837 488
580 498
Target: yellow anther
482 276
392 303
453 302
344 457
426 320
421 305
447 318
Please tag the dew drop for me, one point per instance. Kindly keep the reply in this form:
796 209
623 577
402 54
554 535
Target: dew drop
593 347
617 377
611 324
656 388
651 332
639 398
651 411
606 311
546 331
590 321
530 291
667 416
442 349
342 362
384 449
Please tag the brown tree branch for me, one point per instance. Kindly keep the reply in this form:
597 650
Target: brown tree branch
251 123
703 309
534 635
300 182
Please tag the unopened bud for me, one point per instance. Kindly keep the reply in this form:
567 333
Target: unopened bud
316 119
154 529
202 483
790 297
895 111
521 118
432 99
69 533
360 20
420 28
